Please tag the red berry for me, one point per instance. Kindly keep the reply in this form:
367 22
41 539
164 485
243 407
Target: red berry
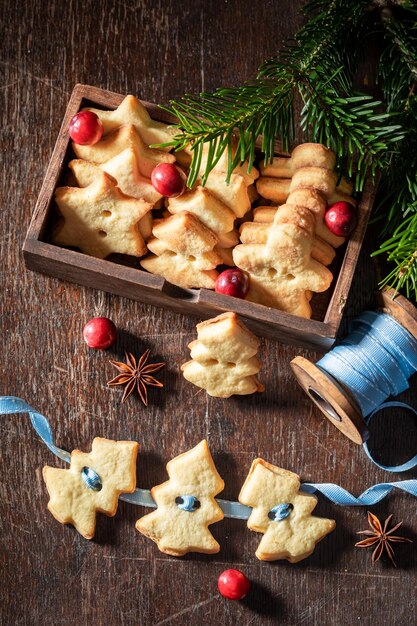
233 584
85 128
99 333
168 180
341 219
233 282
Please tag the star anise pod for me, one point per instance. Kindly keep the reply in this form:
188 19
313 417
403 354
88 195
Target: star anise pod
381 538
136 374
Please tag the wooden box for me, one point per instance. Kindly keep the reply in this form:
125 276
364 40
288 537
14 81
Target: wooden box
121 278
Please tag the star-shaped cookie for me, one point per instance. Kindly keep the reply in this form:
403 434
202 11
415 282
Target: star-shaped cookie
283 513
132 111
124 168
124 137
186 505
92 484
100 219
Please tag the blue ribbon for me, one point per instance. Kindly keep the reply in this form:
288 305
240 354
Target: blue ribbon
142 497
408 465
371 496
373 362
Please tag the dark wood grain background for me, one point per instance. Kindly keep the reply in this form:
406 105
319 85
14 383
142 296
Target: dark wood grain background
50 574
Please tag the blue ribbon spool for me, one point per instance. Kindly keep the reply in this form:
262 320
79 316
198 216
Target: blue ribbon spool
351 383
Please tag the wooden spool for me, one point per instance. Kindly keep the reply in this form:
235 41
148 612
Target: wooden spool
336 401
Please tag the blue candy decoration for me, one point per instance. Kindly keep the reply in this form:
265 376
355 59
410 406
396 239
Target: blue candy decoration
91 479
187 503
280 512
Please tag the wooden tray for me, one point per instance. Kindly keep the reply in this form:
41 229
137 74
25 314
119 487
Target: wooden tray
116 276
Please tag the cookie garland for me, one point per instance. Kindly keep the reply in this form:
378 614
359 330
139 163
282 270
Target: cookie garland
293 502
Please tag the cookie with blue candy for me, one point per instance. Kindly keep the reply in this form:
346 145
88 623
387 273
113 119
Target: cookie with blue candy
186 505
282 513
92 484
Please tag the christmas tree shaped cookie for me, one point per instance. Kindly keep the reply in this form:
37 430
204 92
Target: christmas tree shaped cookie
212 213
92 484
239 192
186 505
311 166
258 231
124 168
223 358
183 251
132 111
283 272
282 513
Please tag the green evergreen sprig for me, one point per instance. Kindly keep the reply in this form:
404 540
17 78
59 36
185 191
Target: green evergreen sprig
311 66
397 200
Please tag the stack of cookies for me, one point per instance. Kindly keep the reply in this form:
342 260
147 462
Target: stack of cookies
286 248
107 208
217 205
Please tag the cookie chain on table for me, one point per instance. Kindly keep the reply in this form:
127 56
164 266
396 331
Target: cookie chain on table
91 480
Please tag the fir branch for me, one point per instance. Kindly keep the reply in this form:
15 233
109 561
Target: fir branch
401 249
350 126
262 107
398 189
318 43
318 65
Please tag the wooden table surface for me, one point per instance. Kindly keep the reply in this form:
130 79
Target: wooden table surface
50 575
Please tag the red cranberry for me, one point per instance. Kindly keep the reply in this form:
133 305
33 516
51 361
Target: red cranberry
233 282
233 584
341 219
99 333
168 180
85 128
